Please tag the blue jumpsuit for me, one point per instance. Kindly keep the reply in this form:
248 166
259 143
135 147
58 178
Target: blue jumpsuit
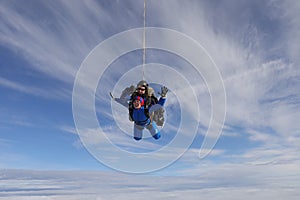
141 121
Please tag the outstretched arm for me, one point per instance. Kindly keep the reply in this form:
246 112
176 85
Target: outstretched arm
125 96
161 101
123 101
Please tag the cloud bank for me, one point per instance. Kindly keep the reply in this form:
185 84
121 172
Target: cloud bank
20 184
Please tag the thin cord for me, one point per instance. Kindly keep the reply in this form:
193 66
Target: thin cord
144 41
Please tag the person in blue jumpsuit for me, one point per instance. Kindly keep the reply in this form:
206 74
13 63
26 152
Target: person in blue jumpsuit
142 117
141 108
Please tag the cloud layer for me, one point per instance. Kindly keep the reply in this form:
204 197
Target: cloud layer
17 184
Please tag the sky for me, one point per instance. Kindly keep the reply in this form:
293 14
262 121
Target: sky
50 49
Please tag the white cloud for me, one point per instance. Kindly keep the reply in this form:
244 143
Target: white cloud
260 136
224 183
291 29
57 42
69 129
36 91
254 75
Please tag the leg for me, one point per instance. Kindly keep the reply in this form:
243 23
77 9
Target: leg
138 132
154 130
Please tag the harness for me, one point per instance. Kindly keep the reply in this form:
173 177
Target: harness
148 101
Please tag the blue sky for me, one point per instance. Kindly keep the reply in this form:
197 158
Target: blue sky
253 43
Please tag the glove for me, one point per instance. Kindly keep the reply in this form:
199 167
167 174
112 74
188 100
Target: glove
127 92
164 91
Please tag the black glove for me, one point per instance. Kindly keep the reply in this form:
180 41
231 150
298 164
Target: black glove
164 91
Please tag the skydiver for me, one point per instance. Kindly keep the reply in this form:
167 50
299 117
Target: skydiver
142 105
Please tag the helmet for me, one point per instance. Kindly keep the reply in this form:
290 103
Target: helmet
142 83
140 99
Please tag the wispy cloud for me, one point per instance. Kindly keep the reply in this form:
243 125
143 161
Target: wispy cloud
39 38
57 43
68 129
36 91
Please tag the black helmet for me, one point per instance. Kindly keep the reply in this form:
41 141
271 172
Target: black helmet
142 83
